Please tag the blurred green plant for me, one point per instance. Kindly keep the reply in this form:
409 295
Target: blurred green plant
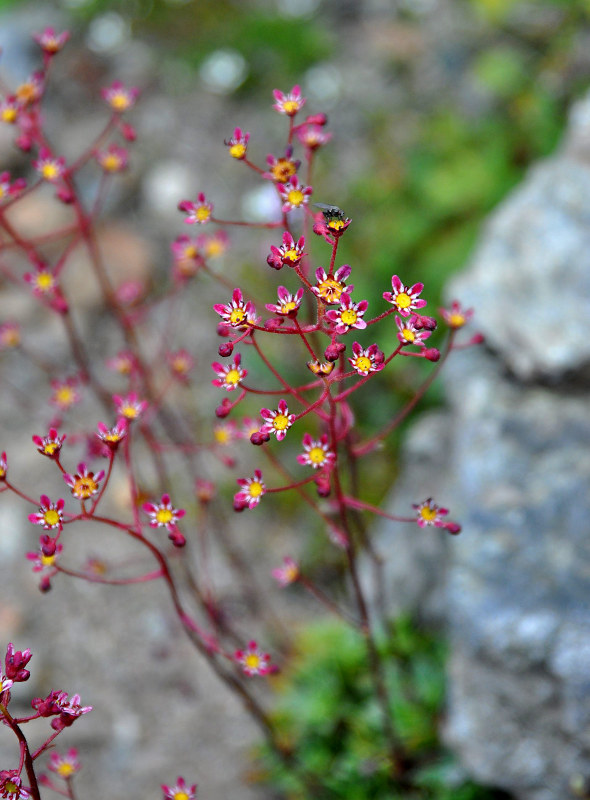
326 711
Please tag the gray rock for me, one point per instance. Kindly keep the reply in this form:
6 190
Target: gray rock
515 590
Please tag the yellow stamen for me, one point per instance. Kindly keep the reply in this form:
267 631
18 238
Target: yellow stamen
349 316
317 455
51 517
233 377
295 197
203 213
363 364
237 150
164 516
403 300
280 422
255 489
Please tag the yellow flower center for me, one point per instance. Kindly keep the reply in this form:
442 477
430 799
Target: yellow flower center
237 150
457 320
9 115
255 489
64 396
10 338
222 435
50 448
51 517
317 455
47 561
283 169
2 472
237 316
349 316
252 661
50 171
44 281
129 411
84 487
181 796
203 213
427 513
190 251
363 364
291 107
291 255
214 248
2 191
336 224
291 573
280 422
112 437
287 307
164 516
296 197
233 377
408 335
403 300
119 101
10 787
111 162
65 770
330 290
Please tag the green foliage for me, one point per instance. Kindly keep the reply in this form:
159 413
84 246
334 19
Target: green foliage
328 713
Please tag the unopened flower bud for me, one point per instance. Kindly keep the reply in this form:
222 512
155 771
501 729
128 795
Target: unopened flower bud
65 195
316 119
24 142
273 324
453 527
225 350
224 408
223 329
477 338
259 438
332 352
177 538
428 323
431 353
128 132
45 583
322 483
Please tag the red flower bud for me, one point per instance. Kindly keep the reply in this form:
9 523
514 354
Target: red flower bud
128 132
177 539
65 195
333 351
225 350
322 483
453 528
259 438
273 324
431 353
224 408
223 329
429 323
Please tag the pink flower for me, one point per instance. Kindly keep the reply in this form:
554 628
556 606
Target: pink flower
119 97
238 144
199 212
51 444
125 363
50 515
253 660
282 168
43 281
50 168
289 103
316 452
294 194
31 90
64 394
64 765
3 467
277 422
9 110
50 41
9 335
15 662
252 490
238 313
403 298
329 288
84 484
312 136
11 786
7 189
456 317
113 159
112 437
288 304
181 363
181 791
366 360
349 315
288 254
230 375
163 514
409 332
288 573
428 513
187 257
130 407
45 557
69 711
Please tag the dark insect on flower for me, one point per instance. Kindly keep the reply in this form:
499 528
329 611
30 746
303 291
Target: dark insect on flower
331 212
